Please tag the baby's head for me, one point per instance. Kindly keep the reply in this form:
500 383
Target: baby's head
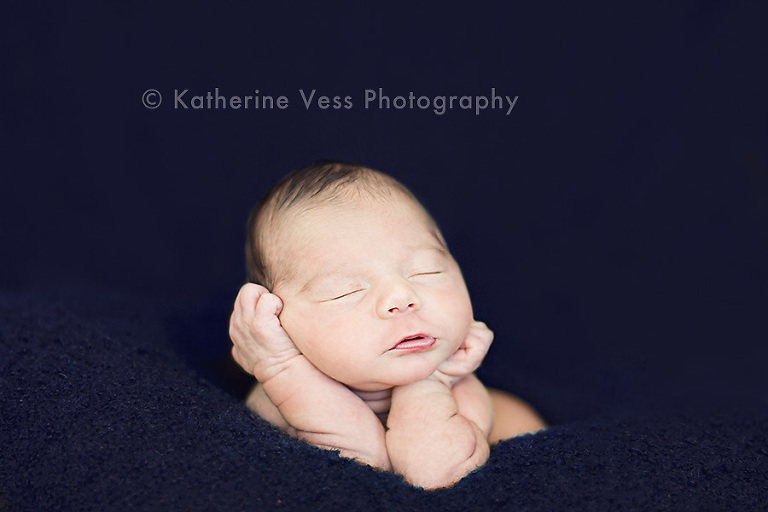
371 295
310 188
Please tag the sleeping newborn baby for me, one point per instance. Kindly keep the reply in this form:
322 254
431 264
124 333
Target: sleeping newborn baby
359 329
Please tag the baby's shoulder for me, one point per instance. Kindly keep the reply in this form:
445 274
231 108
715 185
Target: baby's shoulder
513 416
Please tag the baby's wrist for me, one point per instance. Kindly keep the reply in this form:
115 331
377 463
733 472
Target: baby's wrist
431 384
445 379
275 365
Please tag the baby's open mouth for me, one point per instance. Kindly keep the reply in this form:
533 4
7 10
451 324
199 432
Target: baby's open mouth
415 343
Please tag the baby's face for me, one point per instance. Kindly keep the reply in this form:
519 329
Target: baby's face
374 300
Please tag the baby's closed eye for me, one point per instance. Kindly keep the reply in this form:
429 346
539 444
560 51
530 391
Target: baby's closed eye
344 295
425 274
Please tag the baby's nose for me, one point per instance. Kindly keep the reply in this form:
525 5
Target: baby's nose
395 309
399 297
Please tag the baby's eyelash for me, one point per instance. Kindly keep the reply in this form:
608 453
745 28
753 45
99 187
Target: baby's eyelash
434 272
344 295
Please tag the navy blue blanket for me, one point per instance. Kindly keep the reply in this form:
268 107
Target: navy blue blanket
100 410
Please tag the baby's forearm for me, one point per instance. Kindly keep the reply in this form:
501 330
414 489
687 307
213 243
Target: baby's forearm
429 441
474 402
326 413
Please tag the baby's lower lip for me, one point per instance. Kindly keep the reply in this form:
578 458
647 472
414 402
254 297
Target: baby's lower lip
420 344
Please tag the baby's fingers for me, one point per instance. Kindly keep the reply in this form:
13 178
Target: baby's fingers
245 304
242 324
479 336
247 298
266 315
267 328
268 306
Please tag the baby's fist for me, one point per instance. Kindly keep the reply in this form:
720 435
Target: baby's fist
469 355
261 345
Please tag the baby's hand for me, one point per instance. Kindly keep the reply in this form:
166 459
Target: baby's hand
468 357
261 345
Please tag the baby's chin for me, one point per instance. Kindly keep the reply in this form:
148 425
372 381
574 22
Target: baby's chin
395 381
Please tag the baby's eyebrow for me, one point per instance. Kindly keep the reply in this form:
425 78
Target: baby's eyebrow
438 249
317 279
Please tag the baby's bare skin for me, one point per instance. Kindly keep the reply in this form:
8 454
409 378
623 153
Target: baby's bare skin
437 430
369 347
427 420
292 393
511 415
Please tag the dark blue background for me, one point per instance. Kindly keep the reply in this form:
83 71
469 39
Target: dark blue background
612 229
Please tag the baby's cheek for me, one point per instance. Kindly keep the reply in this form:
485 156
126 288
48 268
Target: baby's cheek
299 331
320 342
467 318
458 315
461 305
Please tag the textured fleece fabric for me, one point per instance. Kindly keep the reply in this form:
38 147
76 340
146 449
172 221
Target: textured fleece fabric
100 410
